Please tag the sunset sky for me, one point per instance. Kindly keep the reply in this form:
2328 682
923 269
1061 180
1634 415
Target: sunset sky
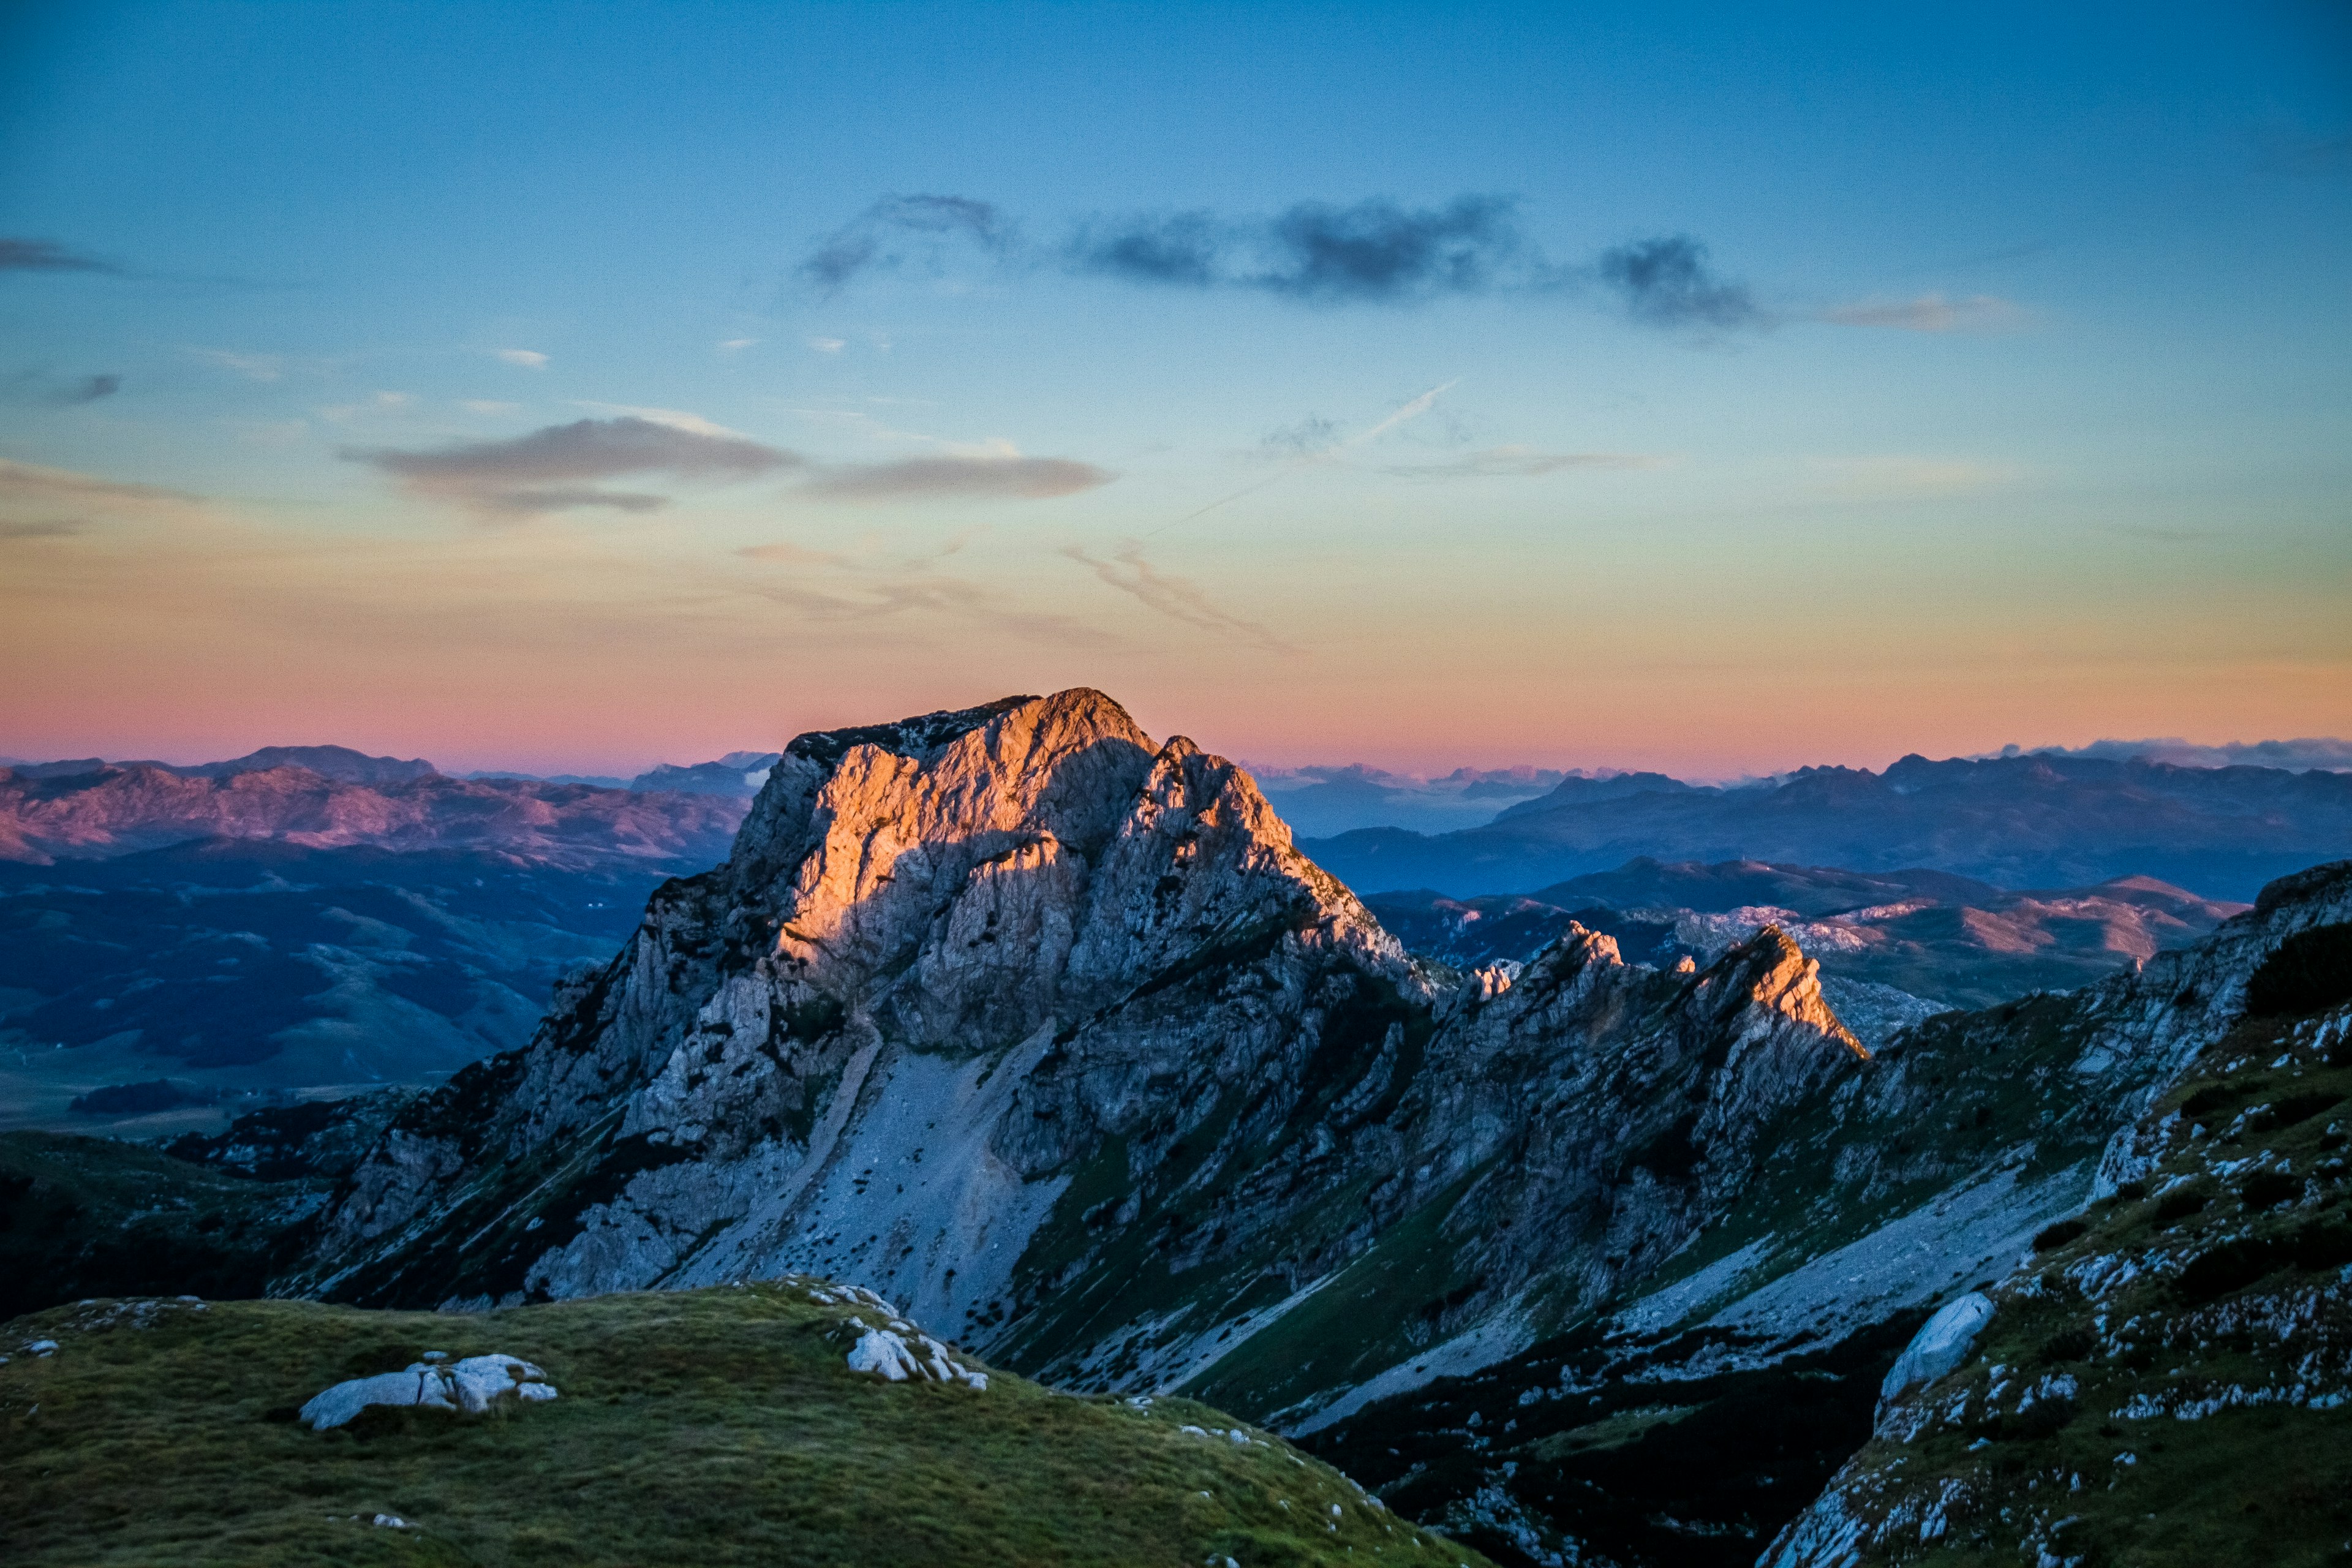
1424 386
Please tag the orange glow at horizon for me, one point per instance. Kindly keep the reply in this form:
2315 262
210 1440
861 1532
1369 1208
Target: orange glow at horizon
174 628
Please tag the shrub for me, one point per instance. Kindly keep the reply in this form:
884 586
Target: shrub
2311 970
2268 1189
2179 1205
2060 1234
2233 1265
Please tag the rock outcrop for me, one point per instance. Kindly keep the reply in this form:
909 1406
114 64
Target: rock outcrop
2171 1371
474 1385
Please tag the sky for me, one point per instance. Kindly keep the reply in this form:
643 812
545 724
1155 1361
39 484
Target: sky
1714 389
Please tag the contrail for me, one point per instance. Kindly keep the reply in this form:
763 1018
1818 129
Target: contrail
1412 410
1409 410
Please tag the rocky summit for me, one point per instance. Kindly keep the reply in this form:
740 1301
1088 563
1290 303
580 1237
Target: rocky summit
1048 1031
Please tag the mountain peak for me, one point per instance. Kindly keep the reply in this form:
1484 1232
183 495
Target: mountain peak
1770 971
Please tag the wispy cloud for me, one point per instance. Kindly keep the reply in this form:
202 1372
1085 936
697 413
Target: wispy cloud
736 345
1312 444
2154 535
784 553
253 367
1177 598
529 359
670 418
1897 477
1930 313
991 477
1667 283
1312 434
2311 157
47 256
1520 462
38 503
838 590
899 233
557 469
828 345
2312 752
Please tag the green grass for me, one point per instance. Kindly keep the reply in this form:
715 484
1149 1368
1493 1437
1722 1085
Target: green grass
705 1428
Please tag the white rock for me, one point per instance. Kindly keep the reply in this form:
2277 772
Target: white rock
473 1385
1941 1344
883 1351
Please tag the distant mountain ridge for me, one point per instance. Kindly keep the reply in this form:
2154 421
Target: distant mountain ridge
48 815
2034 820
340 763
1319 799
738 773
1947 939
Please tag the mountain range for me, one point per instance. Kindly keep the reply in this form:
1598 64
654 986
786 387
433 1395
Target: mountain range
1926 934
1048 1030
2030 821
186 941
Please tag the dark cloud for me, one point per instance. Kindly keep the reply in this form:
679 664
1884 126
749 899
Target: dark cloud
552 469
47 256
957 478
1183 248
898 232
56 530
1373 251
1666 282
39 386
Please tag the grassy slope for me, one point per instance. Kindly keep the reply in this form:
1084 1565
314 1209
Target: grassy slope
91 1216
2267 1483
704 1427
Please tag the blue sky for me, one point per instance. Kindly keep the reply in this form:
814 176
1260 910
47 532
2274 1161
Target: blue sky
1987 380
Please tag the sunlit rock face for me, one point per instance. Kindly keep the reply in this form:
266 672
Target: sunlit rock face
1046 1029
966 950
